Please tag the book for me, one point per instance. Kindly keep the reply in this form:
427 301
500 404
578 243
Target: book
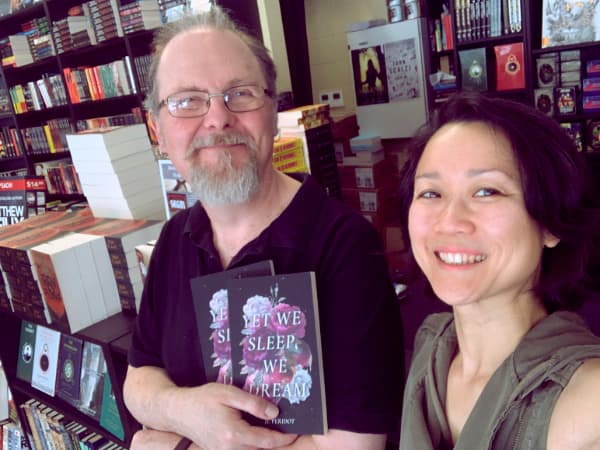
510 67
544 100
209 293
566 22
45 360
26 350
565 100
276 348
177 193
93 371
21 197
576 132
473 63
69 368
110 419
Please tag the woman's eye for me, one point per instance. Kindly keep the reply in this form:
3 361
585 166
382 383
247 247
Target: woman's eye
486 192
428 194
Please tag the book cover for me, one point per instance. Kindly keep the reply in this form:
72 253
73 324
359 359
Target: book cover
565 100
593 135
567 22
576 131
110 418
177 193
510 68
473 63
91 386
69 368
45 360
209 293
544 101
276 348
26 350
21 197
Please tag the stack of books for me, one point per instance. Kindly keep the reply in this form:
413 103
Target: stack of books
312 124
288 155
366 149
140 15
117 172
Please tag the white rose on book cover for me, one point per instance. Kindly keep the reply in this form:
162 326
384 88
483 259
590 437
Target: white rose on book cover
209 294
276 348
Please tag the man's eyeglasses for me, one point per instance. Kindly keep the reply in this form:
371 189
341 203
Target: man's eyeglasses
196 103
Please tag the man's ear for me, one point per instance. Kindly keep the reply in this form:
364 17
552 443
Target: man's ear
550 240
154 125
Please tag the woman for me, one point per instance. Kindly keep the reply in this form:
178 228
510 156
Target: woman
495 208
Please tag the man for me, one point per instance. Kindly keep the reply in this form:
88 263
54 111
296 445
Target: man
213 110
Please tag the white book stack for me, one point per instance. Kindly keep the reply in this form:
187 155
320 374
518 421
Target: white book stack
21 50
118 173
122 237
77 268
367 149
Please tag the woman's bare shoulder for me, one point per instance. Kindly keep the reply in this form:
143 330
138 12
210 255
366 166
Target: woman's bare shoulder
575 422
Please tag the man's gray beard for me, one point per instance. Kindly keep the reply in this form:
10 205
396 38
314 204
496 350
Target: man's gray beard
222 184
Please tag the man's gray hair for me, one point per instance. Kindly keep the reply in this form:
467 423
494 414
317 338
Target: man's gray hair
215 18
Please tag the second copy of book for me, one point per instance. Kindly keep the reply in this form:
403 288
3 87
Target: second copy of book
210 298
510 70
276 348
473 64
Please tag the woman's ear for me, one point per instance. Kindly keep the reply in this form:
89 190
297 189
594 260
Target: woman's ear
550 240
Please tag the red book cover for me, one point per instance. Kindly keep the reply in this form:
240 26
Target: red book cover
510 69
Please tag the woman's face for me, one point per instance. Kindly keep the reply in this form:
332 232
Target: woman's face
469 229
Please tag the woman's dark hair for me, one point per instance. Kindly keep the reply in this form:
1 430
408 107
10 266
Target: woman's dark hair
556 183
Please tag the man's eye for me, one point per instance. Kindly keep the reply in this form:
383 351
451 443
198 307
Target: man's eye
241 93
486 192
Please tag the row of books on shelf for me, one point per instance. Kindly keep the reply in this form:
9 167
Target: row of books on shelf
60 175
69 269
98 82
87 24
46 92
72 369
50 137
440 34
82 84
482 19
585 134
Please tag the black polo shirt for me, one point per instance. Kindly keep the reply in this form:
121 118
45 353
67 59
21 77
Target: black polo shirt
359 318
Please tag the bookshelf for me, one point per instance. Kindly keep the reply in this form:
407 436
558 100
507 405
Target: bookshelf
472 41
66 85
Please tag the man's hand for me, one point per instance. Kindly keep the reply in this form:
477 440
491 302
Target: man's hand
213 413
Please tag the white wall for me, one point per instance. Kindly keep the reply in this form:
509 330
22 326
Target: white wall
274 39
326 23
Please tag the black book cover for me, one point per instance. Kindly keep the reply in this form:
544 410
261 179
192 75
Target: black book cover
276 348
210 299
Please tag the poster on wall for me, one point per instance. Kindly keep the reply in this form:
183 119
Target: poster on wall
386 73
567 22
402 69
370 76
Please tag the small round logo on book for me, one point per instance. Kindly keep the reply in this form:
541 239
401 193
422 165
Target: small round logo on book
475 70
512 66
68 370
27 353
44 360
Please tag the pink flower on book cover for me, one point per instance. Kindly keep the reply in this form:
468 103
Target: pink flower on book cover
220 335
276 361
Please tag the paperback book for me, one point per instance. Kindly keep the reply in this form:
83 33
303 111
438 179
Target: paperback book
276 348
26 349
69 368
45 360
91 386
211 305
